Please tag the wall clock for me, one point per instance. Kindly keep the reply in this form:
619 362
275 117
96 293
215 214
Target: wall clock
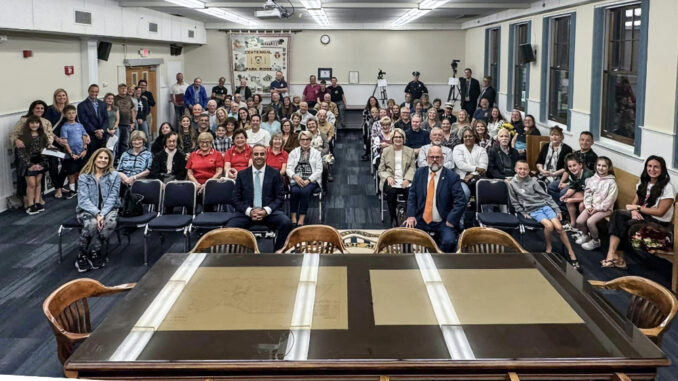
325 39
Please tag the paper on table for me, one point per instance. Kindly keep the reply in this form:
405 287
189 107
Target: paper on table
256 298
51 152
479 296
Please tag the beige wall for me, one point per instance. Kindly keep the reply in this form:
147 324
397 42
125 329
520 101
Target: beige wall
398 53
209 61
28 79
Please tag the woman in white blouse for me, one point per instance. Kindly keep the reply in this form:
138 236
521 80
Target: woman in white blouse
304 169
470 160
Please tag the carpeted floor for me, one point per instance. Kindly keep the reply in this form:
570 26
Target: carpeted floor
29 270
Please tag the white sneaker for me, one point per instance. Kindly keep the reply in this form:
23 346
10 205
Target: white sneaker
567 228
591 245
583 238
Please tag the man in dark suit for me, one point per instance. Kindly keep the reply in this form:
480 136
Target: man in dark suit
470 91
258 196
488 92
436 201
93 116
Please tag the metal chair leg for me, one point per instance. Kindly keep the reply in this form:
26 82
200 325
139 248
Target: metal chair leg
146 247
59 233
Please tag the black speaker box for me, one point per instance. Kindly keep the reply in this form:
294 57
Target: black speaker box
175 50
526 54
103 50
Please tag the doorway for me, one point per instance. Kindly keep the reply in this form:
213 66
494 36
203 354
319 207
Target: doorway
136 73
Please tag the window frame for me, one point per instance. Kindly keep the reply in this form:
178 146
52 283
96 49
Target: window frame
510 88
489 32
548 39
517 67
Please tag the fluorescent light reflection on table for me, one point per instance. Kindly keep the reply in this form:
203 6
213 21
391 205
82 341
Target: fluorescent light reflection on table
149 322
302 315
453 334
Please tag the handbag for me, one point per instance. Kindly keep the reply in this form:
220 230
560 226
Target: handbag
132 204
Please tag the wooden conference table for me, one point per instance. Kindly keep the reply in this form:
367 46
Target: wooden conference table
364 317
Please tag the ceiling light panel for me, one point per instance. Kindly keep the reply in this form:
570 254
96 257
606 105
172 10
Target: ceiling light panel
229 16
188 3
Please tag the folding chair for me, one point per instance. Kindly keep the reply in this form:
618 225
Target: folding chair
178 194
493 205
151 190
216 201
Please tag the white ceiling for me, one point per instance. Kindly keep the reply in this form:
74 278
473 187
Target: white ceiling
342 14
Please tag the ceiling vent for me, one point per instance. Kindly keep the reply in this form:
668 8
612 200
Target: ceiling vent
82 17
191 34
153 27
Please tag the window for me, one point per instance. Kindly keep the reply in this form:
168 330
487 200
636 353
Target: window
620 72
559 69
492 54
520 68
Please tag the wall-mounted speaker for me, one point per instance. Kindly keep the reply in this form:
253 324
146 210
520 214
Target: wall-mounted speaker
526 54
103 50
175 50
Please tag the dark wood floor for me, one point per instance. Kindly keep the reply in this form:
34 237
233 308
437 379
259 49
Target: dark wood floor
29 270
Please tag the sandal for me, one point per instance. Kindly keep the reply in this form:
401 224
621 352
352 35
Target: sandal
607 263
575 264
621 264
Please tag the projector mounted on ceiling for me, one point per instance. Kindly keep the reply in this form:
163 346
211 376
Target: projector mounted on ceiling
271 10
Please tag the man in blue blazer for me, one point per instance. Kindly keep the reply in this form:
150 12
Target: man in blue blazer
93 116
196 95
436 201
260 204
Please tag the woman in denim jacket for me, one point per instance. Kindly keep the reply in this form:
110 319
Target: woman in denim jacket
97 210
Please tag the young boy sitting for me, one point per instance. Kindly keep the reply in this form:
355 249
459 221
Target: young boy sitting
531 200
76 147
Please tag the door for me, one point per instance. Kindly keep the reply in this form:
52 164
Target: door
136 73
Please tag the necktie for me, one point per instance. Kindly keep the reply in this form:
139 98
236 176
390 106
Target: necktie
428 209
257 189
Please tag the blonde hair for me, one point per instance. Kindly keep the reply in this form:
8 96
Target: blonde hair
205 136
137 134
385 120
89 168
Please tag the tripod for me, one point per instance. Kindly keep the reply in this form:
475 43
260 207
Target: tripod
382 91
454 94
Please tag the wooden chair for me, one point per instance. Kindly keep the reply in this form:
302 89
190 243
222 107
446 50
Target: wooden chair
652 307
227 241
533 147
487 241
67 311
313 239
405 241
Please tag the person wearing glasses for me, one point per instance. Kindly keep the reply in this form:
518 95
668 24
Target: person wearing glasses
258 197
205 163
305 170
396 171
436 201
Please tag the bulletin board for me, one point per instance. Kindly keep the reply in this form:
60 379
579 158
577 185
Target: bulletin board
256 57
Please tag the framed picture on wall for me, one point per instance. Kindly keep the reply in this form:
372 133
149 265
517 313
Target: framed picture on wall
324 73
353 77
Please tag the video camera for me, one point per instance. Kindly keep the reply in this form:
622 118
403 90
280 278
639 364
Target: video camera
455 64
381 74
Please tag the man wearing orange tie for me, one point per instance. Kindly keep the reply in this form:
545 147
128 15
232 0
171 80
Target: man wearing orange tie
436 201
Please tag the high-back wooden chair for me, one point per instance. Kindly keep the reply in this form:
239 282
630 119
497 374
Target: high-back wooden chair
652 307
314 239
67 311
533 144
227 241
487 241
405 241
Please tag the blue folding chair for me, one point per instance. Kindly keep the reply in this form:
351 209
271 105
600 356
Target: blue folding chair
178 194
151 191
493 205
216 205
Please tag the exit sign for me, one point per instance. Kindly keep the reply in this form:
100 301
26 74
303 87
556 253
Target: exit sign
144 52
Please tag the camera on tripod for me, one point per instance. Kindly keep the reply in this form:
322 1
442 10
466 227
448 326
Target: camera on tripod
381 74
455 64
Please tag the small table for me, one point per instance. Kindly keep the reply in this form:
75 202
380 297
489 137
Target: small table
366 317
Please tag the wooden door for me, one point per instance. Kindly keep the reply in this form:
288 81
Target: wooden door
136 73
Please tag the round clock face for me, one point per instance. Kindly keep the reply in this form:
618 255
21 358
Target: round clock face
325 39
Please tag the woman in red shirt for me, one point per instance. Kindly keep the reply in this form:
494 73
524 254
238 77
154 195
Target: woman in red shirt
276 156
205 163
239 156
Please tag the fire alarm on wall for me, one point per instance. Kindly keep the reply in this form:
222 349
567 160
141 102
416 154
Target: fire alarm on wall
28 53
68 70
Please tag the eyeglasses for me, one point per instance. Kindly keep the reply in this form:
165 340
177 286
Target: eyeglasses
304 139
397 137
435 157
205 142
